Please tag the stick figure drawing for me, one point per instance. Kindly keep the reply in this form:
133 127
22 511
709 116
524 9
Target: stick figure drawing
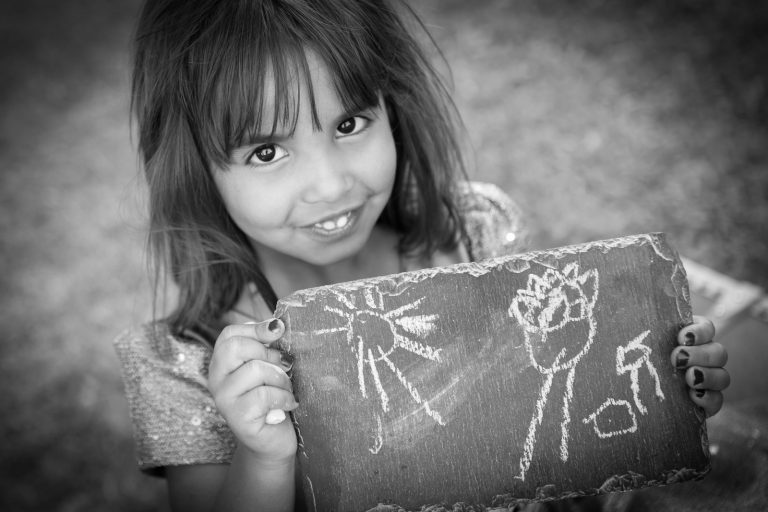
549 304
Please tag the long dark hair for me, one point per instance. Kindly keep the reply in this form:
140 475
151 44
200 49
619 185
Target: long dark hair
198 92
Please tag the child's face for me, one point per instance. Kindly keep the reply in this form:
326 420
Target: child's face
313 195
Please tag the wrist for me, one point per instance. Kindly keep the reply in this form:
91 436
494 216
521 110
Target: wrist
266 462
257 482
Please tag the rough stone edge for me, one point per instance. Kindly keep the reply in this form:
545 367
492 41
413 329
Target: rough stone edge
516 263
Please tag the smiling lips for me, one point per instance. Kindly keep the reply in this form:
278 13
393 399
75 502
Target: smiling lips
337 225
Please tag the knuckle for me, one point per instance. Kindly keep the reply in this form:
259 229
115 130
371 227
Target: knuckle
263 396
229 344
253 366
227 333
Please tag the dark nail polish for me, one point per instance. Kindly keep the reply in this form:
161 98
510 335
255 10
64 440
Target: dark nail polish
286 360
682 359
274 325
698 377
700 392
690 339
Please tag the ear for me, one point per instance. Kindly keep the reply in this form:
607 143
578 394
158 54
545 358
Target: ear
589 283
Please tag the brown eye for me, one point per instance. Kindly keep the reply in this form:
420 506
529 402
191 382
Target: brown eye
347 126
352 126
267 154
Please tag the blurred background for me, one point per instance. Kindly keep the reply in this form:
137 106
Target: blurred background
600 118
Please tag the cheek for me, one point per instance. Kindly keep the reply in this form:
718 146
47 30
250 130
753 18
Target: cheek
254 205
382 161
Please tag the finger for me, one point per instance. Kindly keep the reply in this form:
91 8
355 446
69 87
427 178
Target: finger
710 401
269 330
266 332
254 374
699 377
232 349
711 355
258 402
231 353
701 331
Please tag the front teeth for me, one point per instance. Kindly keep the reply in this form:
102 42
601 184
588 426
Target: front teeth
330 225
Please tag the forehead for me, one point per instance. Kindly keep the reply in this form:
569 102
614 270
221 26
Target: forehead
303 89
299 85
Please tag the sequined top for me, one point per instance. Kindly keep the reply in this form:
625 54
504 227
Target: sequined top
175 421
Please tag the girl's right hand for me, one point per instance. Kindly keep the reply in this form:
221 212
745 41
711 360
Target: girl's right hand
248 379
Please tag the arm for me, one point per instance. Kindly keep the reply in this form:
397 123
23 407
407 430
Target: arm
246 380
243 485
703 361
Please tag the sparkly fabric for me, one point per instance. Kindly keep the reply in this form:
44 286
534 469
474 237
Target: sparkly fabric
493 222
175 421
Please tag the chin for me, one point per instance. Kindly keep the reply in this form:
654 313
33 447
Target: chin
333 255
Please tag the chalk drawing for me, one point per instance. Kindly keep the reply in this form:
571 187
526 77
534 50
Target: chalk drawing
398 329
549 303
633 367
630 414
379 440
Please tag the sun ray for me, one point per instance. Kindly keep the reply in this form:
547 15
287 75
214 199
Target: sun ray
369 298
330 330
361 367
377 381
417 348
411 388
374 302
336 311
344 300
378 442
401 309
419 325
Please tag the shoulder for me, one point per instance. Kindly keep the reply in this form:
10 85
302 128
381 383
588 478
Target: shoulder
153 345
175 421
493 223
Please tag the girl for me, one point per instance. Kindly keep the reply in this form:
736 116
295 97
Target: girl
289 144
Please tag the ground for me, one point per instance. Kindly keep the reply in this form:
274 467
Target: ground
599 118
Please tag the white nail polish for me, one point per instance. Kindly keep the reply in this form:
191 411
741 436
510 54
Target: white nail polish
275 416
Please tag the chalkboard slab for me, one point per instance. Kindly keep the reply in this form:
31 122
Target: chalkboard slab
538 376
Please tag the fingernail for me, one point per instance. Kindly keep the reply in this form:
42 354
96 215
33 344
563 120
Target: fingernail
286 360
690 339
700 392
275 325
275 416
698 377
682 359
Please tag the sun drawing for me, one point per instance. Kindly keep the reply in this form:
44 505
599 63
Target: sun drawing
397 330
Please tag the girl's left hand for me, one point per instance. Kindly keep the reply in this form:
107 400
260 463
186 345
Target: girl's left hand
703 361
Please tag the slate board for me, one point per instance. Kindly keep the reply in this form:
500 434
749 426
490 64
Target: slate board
538 376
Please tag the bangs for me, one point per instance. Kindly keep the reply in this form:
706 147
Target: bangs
253 69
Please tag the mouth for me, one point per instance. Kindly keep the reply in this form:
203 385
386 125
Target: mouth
336 224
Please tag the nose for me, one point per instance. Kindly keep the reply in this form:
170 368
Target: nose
327 177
